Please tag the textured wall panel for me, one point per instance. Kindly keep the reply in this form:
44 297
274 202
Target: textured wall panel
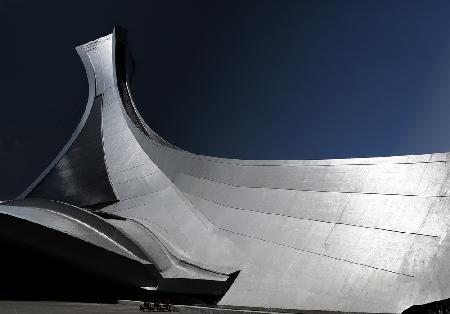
359 235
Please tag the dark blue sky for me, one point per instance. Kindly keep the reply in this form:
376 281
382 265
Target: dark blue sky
238 79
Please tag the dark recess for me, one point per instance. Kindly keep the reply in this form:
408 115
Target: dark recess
42 272
31 274
438 307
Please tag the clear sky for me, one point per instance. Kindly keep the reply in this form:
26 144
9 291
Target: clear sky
239 79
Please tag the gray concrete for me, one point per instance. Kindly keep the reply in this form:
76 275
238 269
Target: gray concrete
353 235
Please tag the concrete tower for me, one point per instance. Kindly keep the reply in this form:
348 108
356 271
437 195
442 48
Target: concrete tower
358 235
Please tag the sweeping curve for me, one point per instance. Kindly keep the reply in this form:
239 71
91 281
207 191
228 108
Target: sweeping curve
354 235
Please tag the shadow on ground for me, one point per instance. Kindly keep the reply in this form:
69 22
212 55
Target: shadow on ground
438 307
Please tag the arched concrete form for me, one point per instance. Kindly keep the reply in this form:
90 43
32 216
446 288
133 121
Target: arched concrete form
77 235
194 260
80 176
143 261
351 235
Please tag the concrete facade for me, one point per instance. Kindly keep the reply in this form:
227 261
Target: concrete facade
357 235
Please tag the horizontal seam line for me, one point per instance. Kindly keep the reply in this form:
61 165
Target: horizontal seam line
312 165
147 175
137 196
350 164
316 220
312 191
141 195
125 169
316 253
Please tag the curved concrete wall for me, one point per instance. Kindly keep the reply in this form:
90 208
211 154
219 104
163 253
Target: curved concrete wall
360 235
171 235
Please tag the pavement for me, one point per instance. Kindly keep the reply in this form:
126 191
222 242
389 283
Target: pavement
125 307
129 307
44 307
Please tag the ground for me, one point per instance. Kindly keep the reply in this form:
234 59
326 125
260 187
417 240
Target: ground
39 307
47 307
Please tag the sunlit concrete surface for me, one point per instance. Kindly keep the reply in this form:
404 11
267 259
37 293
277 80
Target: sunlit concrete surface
191 309
349 235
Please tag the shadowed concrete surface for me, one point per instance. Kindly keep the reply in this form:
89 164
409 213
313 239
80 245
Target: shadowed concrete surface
29 273
439 307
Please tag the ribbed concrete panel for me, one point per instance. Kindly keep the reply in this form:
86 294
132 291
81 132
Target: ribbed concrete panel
410 214
148 195
357 235
379 249
312 281
183 245
315 234
406 159
425 179
422 175
100 53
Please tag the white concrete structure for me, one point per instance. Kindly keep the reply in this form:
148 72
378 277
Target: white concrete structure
357 235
